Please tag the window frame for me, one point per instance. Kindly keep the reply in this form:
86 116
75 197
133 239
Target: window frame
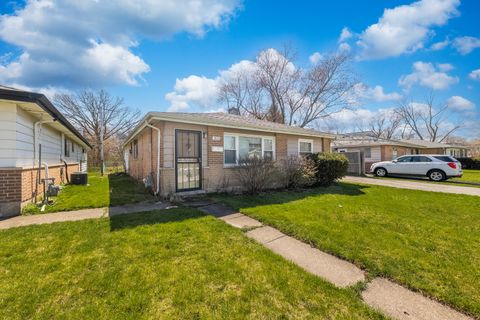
66 147
237 137
135 148
305 141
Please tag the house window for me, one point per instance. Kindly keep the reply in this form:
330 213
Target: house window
66 147
268 149
73 146
135 149
238 147
305 147
230 149
249 147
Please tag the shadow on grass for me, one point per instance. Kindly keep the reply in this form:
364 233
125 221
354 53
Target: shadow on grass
124 189
133 220
281 197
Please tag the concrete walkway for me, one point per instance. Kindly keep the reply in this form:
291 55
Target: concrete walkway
413 185
381 294
20 221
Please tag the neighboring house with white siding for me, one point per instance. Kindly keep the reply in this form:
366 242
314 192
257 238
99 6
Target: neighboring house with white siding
36 142
199 152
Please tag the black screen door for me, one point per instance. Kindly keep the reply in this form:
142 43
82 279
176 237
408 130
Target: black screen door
188 160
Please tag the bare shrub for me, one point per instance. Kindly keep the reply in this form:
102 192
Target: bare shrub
255 174
298 172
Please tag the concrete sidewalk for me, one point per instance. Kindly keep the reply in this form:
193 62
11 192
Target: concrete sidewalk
20 221
413 185
381 294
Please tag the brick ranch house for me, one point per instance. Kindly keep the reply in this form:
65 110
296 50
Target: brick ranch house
198 152
36 141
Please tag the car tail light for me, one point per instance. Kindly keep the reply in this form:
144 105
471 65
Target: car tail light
452 165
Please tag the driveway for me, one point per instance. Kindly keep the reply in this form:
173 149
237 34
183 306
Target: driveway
424 186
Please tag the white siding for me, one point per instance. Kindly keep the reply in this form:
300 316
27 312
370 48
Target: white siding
7 134
375 153
17 140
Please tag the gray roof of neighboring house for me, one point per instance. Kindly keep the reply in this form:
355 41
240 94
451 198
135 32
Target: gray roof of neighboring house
368 141
431 144
13 94
227 120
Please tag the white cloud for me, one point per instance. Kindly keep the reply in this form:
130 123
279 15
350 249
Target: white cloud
376 93
200 91
475 75
345 35
90 43
427 75
405 28
315 57
445 67
344 47
440 45
465 45
203 92
460 103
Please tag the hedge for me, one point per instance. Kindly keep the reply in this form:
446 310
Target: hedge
330 167
470 163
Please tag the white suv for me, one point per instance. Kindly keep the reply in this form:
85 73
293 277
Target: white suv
435 167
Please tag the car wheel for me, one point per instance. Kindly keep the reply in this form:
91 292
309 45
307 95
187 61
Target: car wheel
380 172
436 175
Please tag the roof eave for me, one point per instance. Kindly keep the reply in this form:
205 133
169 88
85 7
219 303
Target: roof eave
45 104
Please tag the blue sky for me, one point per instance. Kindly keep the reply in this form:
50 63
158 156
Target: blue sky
138 49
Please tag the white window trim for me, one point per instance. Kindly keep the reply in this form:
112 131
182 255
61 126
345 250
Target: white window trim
305 140
237 146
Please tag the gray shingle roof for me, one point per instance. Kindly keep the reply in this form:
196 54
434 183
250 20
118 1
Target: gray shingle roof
430 144
366 141
234 121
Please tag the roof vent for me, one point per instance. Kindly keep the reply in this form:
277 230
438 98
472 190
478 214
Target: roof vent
233 110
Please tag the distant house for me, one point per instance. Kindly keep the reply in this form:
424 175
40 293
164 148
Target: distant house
198 152
377 149
373 149
428 147
36 142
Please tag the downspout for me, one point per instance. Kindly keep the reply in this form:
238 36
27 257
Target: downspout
158 155
36 138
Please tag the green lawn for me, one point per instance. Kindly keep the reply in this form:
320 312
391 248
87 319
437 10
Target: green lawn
173 264
427 241
468 176
109 190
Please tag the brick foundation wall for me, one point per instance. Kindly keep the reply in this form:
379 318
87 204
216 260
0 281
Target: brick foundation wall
18 186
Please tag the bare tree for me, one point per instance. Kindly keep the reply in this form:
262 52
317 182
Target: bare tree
275 89
427 120
385 125
98 115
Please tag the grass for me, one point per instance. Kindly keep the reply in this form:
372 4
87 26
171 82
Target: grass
427 241
102 191
470 178
171 264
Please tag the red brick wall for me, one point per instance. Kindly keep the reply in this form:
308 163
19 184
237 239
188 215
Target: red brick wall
10 185
18 185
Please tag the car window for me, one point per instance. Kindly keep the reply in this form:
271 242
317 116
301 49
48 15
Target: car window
404 159
420 159
445 158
